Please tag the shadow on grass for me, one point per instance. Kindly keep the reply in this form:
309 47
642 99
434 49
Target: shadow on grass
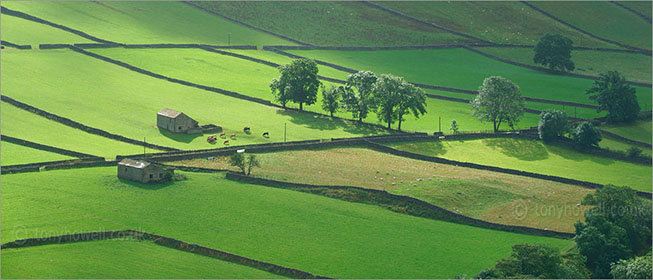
152 187
179 137
527 150
571 154
323 123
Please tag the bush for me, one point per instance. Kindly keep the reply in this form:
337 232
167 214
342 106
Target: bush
553 124
635 268
634 152
586 135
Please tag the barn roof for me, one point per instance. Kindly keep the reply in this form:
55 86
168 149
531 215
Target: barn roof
134 163
169 113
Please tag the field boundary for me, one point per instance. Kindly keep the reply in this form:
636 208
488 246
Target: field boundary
580 29
217 90
546 70
22 15
53 165
12 45
428 210
47 148
71 123
414 19
165 242
443 88
440 160
645 17
624 139
190 3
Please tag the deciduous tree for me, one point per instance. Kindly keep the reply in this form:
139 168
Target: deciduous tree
499 100
554 51
331 98
298 83
553 124
358 95
614 95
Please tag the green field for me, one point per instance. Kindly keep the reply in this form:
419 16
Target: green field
17 154
476 193
643 7
636 67
313 233
25 125
640 130
125 102
603 19
335 23
145 22
463 69
618 145
138 259
325 71
25 32
499 22
533 156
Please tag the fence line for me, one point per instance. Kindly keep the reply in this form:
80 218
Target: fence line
645 17
38 146
165 242
581 30
80 126
20 47
624 139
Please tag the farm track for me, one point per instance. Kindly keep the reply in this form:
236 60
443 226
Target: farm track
643 16
165 242
582 30
80 126
47 148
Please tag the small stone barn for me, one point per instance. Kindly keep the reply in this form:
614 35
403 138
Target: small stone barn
176 121
140 171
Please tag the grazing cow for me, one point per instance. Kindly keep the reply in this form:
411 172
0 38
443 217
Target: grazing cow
266 134
246 129
223 135
211 139
226 142
232 136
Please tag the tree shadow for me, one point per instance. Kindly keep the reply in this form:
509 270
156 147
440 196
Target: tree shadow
179 137
570 153
322 123
527 150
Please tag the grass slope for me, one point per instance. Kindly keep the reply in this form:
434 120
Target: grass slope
334 23
464 69
137 259
641 130
146 22
22 124
253 79
26 32
643 7
533 156
500 22
308 232
125 102
618 145
16 154
480 194
636 67
603 19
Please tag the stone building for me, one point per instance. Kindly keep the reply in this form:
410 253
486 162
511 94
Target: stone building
141 171
175 121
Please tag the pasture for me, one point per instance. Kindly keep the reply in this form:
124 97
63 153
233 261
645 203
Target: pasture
640 130
18 154
460 68
145 22
26 32
476 193
308 232
138 259
534 156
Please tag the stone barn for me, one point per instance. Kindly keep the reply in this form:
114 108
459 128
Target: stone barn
141 171
175 121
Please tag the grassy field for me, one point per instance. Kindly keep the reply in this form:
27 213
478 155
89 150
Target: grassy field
125 102
640 130
643 7
480 194
603 19
25 32
499 22
636 67
308 232
25 125
282 60
463 69
253 79
17 154
334 23
138 259
146 22
533 156
617 145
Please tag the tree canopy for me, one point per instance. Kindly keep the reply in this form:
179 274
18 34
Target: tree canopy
331 97
396 98
499 100
298 83
554 51
614 95
553 124
358 97
586 135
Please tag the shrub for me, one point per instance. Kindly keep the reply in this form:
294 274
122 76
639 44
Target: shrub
552 124
586 135
634 152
